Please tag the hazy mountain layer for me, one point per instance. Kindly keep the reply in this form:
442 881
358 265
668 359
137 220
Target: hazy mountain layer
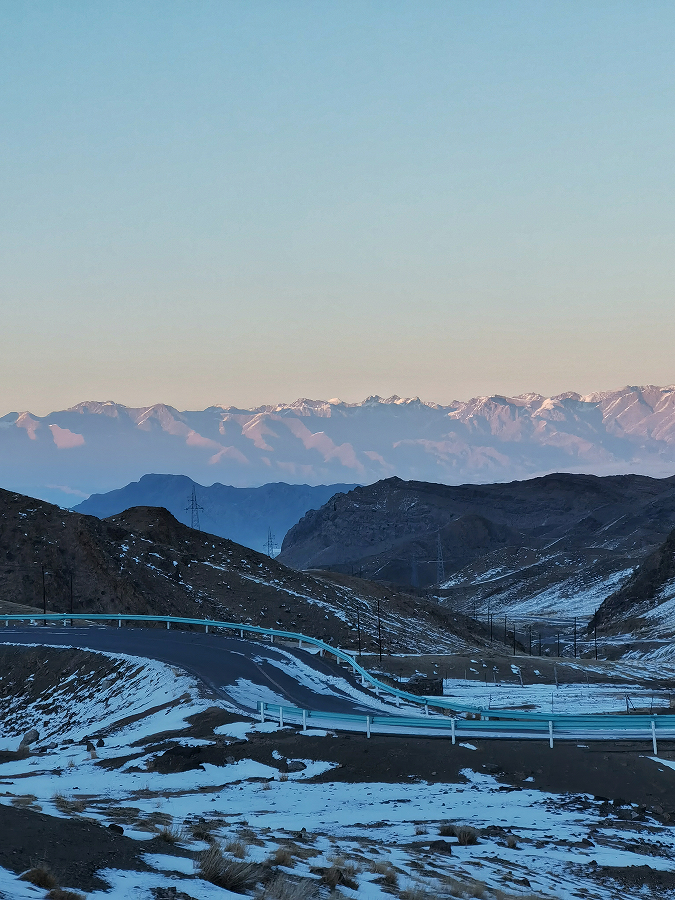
95 447
243 515
556 545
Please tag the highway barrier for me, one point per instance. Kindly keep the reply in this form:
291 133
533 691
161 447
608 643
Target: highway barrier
437 715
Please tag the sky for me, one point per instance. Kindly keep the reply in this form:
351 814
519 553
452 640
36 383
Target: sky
245 203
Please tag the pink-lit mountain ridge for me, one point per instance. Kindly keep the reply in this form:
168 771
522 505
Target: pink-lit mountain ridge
95 447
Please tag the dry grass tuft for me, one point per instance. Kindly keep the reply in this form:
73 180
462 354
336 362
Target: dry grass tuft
447 829
24 800
58 893
466 835
201 831
237 848
40 876
171 834
282 856
231 874
511 841
421 829
283 888
68 805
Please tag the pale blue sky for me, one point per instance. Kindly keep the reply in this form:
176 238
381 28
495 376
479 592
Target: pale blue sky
247 202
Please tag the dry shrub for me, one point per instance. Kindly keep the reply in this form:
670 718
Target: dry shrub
231 874
24 800
466 835
283 888
421 829
237 848
416 891
201 831
58 893
511 841
447 829
283 777
40 876
171 834
282 856
69 804
387 871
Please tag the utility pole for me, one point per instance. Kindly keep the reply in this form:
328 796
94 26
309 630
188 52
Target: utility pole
575 637
440 568
358 625
379 629
194 509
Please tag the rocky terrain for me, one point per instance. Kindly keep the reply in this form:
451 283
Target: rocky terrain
556 545
185 798
244 515
97 447
645 603
144 561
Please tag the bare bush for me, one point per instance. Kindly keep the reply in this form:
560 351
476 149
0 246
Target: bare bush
447 829
40 876
283 888
466 835
237 848
511 841
282 856
58 893
171 834
232 874
421 829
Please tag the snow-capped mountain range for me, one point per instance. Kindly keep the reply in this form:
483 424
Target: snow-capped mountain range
96 447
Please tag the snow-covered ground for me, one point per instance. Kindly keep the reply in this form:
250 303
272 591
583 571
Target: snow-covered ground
530 843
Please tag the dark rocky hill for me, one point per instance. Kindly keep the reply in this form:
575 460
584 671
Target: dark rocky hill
144 561
553 545
644 601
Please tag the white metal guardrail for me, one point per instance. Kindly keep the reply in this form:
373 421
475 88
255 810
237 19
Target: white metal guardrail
451 717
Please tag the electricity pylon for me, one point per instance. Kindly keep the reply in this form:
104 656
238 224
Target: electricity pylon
194 508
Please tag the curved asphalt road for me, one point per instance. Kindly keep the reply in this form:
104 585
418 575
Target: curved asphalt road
216 660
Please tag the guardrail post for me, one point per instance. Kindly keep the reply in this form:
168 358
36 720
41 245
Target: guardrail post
304 720
398 700
656 752
281 717
300 643
452 728
119 623
168 625
261 707
426 709
363 681
271 639
550 734
368 726
241 632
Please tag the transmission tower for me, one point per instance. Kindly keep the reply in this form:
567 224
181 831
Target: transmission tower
271 543
440 568
194 509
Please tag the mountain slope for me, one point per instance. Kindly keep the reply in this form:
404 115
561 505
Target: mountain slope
553 545
144 561
95 447
645 603
243 515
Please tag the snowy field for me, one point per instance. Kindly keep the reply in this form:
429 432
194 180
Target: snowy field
383 836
